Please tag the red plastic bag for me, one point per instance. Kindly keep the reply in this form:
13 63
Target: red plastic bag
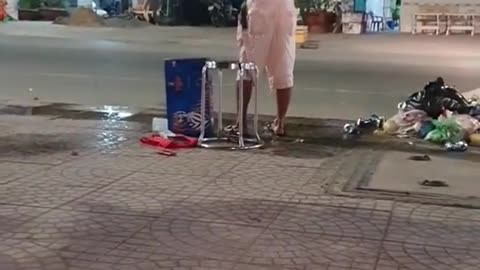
175 142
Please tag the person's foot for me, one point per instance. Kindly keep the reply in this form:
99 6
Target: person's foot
234 130
277 128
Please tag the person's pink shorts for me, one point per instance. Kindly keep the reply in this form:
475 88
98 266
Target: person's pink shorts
269 40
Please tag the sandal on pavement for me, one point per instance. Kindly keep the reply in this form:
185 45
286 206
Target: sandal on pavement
274 128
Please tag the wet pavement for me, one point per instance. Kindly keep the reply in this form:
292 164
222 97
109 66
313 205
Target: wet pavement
83 194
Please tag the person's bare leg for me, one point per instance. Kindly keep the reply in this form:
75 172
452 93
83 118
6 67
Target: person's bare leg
283 102
247 94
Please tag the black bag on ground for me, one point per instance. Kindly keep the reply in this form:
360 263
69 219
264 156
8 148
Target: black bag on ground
437 97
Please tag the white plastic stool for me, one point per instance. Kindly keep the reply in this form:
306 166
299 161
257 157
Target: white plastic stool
240 143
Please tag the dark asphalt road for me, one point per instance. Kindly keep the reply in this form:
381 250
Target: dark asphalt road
329 83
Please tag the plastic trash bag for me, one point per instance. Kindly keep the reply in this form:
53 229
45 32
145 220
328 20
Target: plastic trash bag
437 97
469 124
425 128
446 130
475 139
404 122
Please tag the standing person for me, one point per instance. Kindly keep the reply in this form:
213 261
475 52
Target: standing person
266 36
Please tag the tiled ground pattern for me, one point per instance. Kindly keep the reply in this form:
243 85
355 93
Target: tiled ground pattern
85 195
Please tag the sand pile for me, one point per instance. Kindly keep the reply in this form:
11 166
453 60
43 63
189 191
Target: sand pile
88 18
82 17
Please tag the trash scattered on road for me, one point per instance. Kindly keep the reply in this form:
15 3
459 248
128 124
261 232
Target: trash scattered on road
165 144
439 114
433 183
372 122
474 139
460 146
447 130
420 158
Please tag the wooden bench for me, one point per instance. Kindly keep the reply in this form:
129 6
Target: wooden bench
461 22
426 22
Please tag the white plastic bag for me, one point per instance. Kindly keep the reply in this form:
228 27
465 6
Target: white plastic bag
404 122
469 124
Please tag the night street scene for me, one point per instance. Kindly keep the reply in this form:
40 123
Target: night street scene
239 135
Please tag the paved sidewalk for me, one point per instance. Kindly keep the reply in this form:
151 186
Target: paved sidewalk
83 194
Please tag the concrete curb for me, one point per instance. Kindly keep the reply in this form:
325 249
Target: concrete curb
311 130
307 128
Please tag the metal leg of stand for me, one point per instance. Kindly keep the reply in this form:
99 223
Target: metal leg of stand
220 107
255 112
242 143
203 106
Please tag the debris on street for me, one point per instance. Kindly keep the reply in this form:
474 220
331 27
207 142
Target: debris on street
439 114
86 17
433 183
165 144
82 17
420 158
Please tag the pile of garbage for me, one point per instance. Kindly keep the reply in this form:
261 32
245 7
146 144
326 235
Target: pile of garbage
86 17
438 114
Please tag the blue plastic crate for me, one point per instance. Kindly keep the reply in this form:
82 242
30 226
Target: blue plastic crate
183 79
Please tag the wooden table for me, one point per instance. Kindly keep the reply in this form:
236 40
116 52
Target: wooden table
467 22
428 18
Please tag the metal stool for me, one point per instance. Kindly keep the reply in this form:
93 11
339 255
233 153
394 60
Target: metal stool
240 143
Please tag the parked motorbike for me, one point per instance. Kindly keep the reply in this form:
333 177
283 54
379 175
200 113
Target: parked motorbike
222 13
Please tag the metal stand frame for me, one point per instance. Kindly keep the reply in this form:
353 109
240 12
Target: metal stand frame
240 143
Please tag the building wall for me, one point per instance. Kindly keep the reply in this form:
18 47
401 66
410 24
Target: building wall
410 7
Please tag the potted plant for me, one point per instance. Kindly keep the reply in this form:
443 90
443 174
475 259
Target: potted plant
317 15
51 9
28 10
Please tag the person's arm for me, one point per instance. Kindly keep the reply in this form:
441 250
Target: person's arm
244 15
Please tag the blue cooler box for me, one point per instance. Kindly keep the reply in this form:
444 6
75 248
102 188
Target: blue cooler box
183 79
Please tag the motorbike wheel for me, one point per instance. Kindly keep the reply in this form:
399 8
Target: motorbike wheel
216 20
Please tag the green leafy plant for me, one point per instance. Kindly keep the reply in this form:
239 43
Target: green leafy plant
396 13
314 5
54 3
29 4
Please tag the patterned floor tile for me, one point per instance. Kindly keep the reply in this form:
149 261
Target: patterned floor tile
12 216
11 171
43 195
343 222
293 155
193 164
143 194
116 162
25 255
159 262
435 226
292 249
259 181
69 225
189 239
396 256
348 202
236 211
72 176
